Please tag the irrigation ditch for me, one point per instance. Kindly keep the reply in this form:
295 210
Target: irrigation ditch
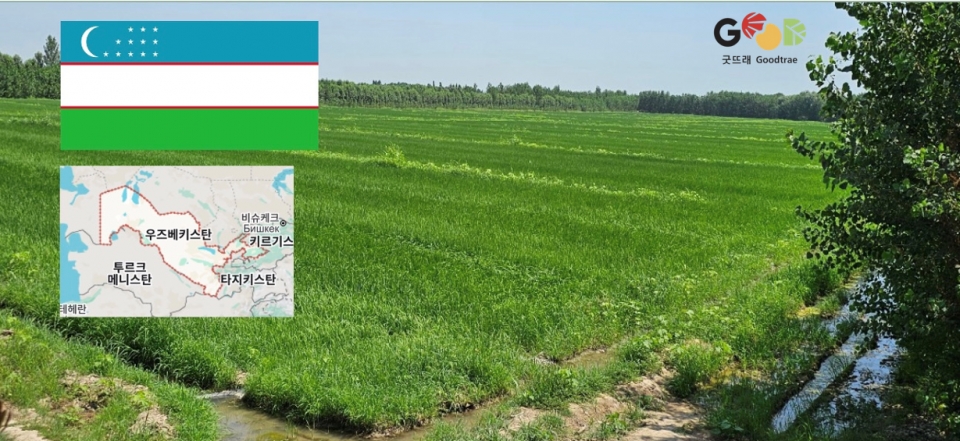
242 423
847 379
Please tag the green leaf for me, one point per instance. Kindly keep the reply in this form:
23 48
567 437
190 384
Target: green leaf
794 32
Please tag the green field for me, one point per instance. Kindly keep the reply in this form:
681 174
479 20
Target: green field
440 251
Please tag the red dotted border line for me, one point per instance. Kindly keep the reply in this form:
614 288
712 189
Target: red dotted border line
160 251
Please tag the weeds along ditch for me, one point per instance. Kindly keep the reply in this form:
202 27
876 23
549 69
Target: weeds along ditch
71 390
439 251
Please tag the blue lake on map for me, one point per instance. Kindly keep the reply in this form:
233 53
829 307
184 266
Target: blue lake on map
69 277
278 183
141 176
66 183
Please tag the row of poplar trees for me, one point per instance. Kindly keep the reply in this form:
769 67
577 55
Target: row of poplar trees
803 106
39 77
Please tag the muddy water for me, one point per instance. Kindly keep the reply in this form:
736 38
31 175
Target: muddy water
240 423
591 359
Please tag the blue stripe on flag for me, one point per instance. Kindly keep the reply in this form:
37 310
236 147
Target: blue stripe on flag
189 41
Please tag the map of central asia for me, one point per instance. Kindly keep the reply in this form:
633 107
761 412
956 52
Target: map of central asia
176 241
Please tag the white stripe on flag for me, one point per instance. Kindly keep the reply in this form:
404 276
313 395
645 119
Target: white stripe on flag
189 86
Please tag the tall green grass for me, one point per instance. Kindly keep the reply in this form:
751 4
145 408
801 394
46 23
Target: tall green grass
33 363
439 251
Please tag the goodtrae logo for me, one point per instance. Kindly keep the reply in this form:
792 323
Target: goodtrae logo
769 37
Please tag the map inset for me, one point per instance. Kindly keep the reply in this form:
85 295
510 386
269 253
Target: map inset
176 241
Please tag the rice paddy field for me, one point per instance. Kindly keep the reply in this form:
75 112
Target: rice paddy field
443 255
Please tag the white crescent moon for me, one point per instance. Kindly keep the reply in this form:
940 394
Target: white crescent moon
83 42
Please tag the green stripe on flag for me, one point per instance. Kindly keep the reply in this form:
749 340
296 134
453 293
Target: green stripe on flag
188 129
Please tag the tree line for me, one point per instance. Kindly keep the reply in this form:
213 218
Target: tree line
39 77
517 96
522 96
804 106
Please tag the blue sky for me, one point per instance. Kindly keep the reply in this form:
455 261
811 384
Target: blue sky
620 46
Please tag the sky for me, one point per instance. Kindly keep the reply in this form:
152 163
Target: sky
578 46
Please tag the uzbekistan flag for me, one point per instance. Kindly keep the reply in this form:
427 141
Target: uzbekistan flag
189 85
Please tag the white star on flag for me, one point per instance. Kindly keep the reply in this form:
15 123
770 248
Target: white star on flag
143 54
106 54
143 41
129 41
118 54
129 54
118 41
154 54
154 41
143 29
131 29
154 29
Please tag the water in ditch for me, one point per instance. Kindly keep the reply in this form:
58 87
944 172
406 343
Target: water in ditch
241 423
871 372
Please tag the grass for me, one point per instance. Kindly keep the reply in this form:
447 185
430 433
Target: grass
441 250
33 363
